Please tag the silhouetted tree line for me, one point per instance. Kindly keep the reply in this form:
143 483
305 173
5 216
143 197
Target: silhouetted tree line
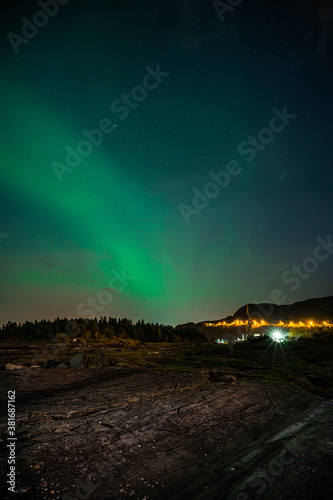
103 328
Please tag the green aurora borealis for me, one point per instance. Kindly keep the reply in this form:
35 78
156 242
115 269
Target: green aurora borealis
118 210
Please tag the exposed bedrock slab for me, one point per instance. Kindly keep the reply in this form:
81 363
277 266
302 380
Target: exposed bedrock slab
119 433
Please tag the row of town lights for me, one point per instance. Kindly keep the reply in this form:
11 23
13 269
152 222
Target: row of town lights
263 323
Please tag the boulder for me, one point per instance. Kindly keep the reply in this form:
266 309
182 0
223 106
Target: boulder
78 361
99 360
62 366
221 377
63 338
49 363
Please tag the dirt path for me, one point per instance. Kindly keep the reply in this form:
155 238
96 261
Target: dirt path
120 433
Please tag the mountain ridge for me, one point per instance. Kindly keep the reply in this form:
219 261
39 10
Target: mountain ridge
315 308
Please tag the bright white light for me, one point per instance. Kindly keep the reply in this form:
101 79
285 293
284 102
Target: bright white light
277 336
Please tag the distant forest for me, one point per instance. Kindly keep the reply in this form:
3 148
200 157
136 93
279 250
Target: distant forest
102 329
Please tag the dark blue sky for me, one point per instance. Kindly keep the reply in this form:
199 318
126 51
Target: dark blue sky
188 199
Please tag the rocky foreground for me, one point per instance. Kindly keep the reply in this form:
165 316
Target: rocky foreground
121 432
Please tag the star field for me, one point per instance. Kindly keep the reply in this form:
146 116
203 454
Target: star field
112 114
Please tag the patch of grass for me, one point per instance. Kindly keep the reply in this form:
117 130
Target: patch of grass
206 360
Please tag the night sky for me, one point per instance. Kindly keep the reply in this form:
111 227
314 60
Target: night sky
132 222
